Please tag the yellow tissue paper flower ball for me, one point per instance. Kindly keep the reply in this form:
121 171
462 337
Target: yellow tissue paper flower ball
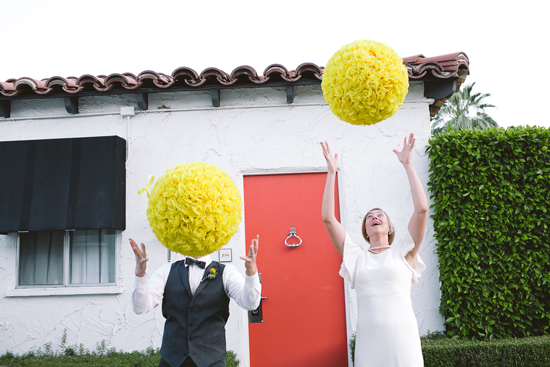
194 209
365 82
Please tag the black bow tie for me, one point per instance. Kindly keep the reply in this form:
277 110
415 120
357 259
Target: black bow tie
191 261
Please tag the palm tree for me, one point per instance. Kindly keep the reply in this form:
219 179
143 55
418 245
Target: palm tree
463 110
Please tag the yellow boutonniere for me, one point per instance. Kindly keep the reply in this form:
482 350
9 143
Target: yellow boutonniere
212 274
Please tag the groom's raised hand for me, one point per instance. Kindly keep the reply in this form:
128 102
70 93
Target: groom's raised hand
250 260
141 258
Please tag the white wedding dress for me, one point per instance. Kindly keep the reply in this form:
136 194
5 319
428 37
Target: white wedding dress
387 331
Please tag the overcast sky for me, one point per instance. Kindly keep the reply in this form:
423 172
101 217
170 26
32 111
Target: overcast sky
507 42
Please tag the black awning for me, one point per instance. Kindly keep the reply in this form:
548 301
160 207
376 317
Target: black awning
59 184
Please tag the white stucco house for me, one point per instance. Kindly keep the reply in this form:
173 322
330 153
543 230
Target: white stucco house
75 151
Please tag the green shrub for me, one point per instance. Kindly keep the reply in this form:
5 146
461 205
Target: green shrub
432 335
352 349
77 355
231 359
34 359
491 218
526 352
439 351
107 358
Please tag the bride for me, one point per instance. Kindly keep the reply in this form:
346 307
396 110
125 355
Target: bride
387 331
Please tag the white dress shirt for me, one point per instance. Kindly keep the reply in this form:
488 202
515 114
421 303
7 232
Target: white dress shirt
147 293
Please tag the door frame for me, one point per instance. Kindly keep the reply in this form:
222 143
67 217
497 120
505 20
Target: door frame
350 297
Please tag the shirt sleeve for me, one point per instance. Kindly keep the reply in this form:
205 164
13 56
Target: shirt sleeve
404 246
147 293
246 292
352 253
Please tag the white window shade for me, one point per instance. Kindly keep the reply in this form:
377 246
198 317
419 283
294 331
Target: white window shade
92 256
88 257
41 258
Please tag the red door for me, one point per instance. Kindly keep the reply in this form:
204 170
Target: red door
304 322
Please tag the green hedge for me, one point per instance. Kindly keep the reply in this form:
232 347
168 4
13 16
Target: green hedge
526 352
135 359
72 356
491 194
439 351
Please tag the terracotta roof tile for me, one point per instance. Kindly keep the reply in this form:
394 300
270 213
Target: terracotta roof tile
149 78
413 59
185 75
276 72
308 69
121 81
419 67
213 76
90 82
453 65
7 87
60 84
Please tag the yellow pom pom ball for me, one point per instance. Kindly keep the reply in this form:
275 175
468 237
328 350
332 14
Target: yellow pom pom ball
365 82
194 209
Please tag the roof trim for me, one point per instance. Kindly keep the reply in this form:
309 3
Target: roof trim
419 67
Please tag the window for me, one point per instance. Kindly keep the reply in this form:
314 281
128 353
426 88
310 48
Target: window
67 258
50 187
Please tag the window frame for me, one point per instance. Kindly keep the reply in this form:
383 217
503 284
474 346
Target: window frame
66 288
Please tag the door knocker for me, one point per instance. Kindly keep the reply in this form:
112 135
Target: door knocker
293 234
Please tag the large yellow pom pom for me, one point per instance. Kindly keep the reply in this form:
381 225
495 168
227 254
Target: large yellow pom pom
194 209
365 82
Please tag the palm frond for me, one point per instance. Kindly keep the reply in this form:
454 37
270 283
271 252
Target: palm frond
464 110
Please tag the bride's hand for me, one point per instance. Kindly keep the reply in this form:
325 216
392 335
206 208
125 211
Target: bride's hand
404 155
332 160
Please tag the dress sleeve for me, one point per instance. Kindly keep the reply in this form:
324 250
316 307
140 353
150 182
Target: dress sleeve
404 246
352 253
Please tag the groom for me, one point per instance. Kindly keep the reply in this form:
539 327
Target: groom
195 302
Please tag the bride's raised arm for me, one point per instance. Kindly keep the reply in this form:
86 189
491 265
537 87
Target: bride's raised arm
335 229
417 222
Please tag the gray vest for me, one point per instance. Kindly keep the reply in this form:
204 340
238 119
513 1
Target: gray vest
195 325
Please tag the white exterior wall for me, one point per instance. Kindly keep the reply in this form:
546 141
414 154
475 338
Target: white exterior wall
253 131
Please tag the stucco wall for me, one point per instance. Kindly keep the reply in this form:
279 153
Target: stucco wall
253 131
